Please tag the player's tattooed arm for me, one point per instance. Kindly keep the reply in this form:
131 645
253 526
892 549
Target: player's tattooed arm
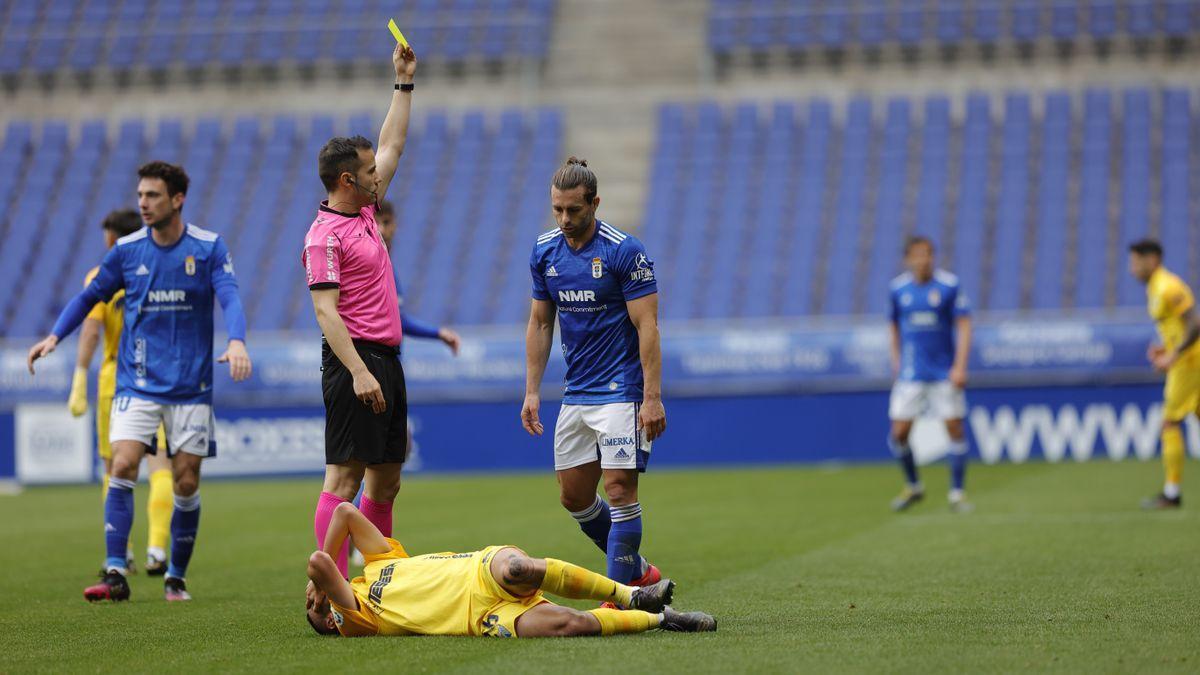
517 572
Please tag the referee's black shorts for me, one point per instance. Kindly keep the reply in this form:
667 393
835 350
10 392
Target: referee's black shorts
352 429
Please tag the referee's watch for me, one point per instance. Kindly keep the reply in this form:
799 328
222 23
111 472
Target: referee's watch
408 86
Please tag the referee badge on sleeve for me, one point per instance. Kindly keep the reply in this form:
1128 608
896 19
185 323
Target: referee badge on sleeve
597 268
189 265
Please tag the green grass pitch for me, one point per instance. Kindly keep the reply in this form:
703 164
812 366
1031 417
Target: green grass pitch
805 569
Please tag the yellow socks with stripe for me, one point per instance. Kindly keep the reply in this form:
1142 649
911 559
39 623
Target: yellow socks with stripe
1172 458
572 581
614 621
159 507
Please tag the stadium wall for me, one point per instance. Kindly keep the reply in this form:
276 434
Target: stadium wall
1048 388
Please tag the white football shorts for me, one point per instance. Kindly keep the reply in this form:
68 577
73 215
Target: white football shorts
606 432
940 400
190 427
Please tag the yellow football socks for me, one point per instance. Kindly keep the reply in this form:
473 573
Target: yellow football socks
104 488
572 581
159 508
1172 454
613 621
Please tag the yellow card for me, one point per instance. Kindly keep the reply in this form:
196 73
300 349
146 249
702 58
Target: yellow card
396 33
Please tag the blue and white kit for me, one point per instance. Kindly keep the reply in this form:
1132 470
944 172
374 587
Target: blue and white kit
925 314
165 360
589 288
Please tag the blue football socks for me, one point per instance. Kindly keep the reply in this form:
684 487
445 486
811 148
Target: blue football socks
118 520
184 524
904 454
958 464
624 540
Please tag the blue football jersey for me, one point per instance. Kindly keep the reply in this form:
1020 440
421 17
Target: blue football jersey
925 315
590 287
166 352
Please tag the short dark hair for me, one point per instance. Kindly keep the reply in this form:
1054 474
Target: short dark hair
385 208
1147 247
574 173
122 222
917 240
171 174
337 156
321 629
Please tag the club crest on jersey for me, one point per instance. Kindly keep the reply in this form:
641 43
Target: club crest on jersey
189 265
935 297
597 268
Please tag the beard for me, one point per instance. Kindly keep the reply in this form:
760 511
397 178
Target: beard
164 221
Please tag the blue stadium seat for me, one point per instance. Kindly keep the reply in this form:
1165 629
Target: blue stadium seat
1102 18
1093 223
1135 186
1050 239
1177 237
889 205
970 236
1007 256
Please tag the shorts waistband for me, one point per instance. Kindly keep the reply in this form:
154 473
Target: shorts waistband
370 346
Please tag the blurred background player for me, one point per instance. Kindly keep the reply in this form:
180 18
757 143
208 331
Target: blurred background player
930 341
1173 308
353 288
171 274
410 326
494 592
107 317
602 285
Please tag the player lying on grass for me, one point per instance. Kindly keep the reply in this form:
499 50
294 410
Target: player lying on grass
494 592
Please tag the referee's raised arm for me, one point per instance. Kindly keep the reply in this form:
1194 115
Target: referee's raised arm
395 125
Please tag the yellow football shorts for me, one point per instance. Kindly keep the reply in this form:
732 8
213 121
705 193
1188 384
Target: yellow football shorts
494 611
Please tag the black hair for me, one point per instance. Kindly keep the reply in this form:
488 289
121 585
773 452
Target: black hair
385 208
338 156
1147 247
320 628
171 174
122 222
574 173
917 240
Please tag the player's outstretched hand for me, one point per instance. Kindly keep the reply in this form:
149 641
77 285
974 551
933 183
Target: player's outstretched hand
43 348
405 61
367 389
450 338
529 415
652 419
237 358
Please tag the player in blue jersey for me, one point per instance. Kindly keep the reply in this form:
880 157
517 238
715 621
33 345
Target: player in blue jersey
601 282
171 274
931 338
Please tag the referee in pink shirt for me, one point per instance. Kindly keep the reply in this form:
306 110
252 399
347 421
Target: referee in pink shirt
354 295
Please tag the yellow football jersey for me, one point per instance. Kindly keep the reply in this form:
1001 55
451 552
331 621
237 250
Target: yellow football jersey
1167 300
433 594
112 315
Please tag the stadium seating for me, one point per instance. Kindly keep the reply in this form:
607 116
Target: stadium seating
470 194
800 209
798 25
123 35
